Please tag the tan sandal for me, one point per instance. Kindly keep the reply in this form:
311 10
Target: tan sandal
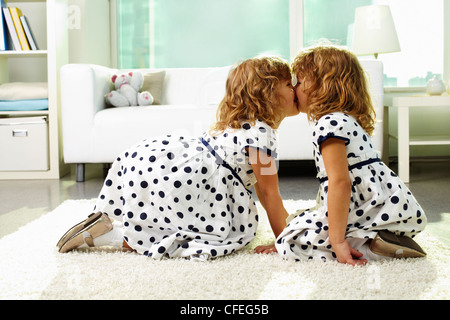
96 228
388 244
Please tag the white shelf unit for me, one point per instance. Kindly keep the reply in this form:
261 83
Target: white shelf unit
403 105
48 21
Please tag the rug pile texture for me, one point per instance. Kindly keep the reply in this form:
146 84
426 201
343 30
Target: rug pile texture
31 268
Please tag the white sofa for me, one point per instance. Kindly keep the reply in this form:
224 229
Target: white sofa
94 133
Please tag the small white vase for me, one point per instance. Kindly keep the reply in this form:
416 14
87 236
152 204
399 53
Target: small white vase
435 87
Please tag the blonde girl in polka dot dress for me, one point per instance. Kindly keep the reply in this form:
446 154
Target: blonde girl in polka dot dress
175 196
364 211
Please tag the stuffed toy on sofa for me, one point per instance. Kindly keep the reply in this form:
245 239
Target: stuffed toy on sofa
126 93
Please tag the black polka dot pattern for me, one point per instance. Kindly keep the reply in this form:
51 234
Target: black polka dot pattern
379 199
176 198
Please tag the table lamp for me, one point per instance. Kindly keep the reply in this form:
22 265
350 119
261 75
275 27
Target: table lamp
374 31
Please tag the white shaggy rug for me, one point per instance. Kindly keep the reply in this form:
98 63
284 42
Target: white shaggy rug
31 268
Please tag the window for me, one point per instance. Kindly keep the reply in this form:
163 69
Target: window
420 30
419 25
133 34
204 33
330 19
200 33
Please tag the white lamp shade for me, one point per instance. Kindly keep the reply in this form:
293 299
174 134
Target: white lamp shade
374 31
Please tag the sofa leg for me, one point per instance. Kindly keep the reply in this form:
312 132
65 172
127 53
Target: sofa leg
106 167
80 172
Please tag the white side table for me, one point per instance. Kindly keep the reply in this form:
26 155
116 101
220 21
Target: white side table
404 140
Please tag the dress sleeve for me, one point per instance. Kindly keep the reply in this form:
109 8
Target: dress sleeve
262 137
332 126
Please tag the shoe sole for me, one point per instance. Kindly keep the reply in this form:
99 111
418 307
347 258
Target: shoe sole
391 245
80 226
87 235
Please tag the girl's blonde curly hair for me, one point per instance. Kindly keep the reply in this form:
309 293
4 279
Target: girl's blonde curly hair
334 81
250 93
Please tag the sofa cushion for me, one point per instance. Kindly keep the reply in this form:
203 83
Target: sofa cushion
116 129
199 86
212 87
153 83
159 120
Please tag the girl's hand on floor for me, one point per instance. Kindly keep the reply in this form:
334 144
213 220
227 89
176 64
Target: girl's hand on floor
265 249
346 254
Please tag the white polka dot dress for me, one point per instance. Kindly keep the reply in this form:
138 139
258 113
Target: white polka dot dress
187 197
379 199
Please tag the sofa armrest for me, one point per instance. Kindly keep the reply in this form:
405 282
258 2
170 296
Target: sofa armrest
83 88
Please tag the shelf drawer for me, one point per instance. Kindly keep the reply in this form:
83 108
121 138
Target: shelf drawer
24 144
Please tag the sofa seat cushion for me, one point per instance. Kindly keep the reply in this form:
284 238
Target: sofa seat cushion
161 116
129 125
